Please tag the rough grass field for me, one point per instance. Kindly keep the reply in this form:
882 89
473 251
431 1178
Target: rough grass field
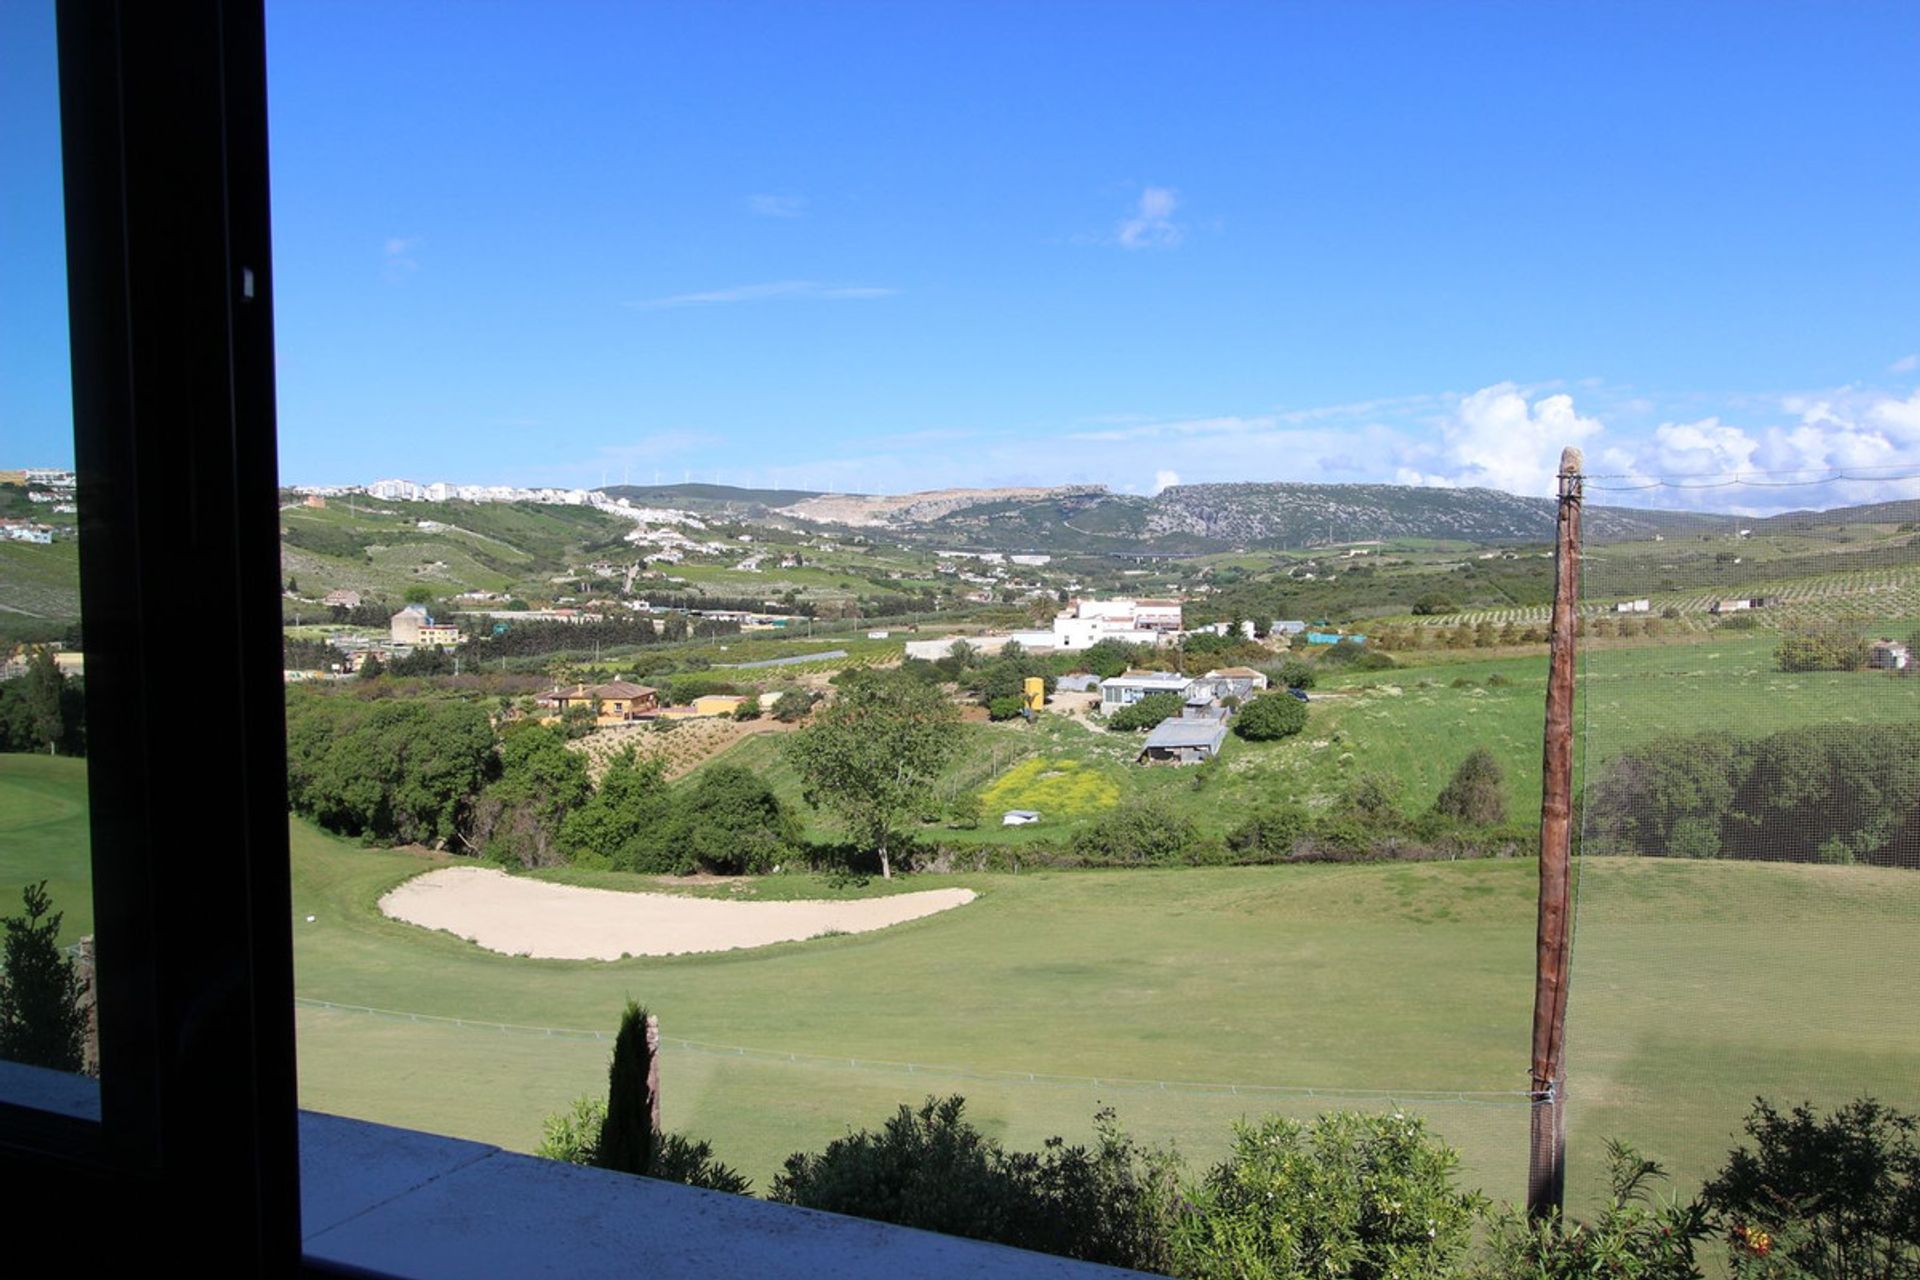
1697 986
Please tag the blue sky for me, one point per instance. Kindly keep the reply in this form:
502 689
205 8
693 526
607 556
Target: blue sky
889 246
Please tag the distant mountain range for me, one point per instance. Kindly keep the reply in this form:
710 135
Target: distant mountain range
1182 519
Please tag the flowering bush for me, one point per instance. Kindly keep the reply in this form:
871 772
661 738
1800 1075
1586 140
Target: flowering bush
1369 1197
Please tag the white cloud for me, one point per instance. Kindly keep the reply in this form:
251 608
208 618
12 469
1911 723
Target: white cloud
397 260
1497 439
1152 225
1905 364
774 206
777 290
1165 480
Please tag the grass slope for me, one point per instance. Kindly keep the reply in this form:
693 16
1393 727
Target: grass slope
1697 986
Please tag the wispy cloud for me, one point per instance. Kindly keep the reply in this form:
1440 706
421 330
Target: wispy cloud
776 206
1905 364
1151 225
397 258
779 290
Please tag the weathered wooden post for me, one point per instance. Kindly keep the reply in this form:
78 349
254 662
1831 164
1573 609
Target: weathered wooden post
1546 1155
653 1071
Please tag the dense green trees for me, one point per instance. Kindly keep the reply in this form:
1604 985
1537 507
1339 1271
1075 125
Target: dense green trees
1821 792
726 820
520 815
389 769
43 711
621 824
870 756
1271 716
41 1020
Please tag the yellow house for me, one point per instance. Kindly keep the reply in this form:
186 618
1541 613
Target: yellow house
717 704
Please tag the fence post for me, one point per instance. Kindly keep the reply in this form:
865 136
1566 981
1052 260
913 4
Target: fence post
653 1071
1546 1149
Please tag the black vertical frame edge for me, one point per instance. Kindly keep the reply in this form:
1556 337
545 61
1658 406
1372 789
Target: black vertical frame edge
163 111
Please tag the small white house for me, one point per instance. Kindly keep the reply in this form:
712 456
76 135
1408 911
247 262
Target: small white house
1633 606
1889 655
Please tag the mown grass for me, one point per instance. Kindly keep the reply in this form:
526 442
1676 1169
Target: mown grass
1697 985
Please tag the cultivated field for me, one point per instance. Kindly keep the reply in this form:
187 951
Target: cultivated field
1181 991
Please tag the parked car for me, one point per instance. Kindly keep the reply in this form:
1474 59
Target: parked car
1300 694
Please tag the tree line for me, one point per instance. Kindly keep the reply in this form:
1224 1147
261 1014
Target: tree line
1833 793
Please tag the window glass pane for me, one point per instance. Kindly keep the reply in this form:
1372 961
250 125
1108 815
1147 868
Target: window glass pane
45 875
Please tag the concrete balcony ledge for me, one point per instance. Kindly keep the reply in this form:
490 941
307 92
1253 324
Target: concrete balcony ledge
417 1205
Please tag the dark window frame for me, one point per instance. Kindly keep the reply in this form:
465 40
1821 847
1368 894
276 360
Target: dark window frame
164 146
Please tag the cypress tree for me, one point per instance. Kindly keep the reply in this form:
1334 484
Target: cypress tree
626 1135
41 1022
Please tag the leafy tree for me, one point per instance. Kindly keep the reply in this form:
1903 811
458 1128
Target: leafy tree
621 825
792 705
1109 658
1271 716
44 685
730 822
1296 673
1842 1191
626 1132
372 668
417 594
519 818
1433 602
1821 645
872 754
41 1020
1477 792
1006 707
964 810
1348 1195
390 769
1145 713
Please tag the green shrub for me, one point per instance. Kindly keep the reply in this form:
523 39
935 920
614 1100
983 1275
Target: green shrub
1146 713
1296 673
1477 792
1373 795
1145 830
573 1136
1634 1236
1432 603
1842 1191
1269 832
1362 1196
1498 681
1373 660
1271 716
1819 646
929 1168
1007 707
748 710
792 705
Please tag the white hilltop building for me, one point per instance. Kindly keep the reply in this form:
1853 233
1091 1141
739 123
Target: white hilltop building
1084 624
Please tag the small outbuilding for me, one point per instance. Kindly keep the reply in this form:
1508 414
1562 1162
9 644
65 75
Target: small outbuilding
1183 741
1019 817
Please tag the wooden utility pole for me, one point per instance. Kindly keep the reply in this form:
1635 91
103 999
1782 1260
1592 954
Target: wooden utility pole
1546 1154
653 1071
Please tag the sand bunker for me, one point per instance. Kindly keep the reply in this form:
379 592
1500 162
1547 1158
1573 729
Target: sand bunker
562 922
